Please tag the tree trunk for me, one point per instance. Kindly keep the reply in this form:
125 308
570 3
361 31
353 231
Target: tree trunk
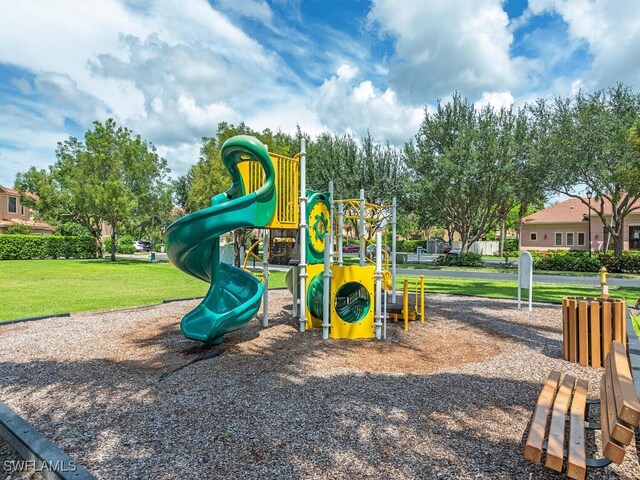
503 222
521 212
236 247
113 243
98 237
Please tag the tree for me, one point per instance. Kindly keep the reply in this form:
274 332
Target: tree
462 162
113 177
588 140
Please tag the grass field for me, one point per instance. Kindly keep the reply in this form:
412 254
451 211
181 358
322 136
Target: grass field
31 288
44 287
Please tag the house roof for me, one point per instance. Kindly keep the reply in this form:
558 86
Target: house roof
10 191
14 192
29 223
569 211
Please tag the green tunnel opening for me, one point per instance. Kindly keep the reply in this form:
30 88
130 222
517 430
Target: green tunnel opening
352 302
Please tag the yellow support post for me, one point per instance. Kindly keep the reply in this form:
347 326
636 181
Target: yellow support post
421 299
405 305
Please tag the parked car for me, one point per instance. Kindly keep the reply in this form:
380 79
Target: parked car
371 249
446 248
142 246
350 248
454 252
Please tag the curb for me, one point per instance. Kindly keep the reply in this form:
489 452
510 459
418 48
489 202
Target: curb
47 459
30 319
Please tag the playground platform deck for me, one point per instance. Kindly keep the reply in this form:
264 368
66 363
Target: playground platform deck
451 398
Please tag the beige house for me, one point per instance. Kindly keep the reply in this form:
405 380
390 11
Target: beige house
565 226
12 212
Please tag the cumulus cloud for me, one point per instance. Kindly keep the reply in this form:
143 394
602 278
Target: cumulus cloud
496 99
343 104
459 45
610 28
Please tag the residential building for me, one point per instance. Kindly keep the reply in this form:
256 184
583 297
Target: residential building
565 226
12 212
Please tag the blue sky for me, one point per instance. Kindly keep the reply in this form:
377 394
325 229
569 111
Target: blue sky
171 71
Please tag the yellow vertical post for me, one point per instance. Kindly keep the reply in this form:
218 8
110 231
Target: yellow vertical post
421 298
405 305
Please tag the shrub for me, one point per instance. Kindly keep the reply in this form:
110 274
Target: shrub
19 229
511 245
566 260
71 229
628 262
124 244
461 260
408 246
25 247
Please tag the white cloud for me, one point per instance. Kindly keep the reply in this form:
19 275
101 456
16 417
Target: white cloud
611 30
346 106
169 71
256 9
496 99
445 46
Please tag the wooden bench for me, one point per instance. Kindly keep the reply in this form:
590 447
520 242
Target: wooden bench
564 401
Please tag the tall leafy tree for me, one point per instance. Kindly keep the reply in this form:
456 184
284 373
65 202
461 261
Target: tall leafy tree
113 177
585 141
462 161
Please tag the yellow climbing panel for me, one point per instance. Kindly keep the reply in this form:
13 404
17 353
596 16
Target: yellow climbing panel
287 187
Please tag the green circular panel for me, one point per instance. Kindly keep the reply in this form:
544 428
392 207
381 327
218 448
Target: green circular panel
314 296
352 302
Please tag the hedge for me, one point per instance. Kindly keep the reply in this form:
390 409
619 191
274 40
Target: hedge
25 247
409 246
580 261
461 260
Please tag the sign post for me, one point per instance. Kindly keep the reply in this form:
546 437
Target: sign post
525 276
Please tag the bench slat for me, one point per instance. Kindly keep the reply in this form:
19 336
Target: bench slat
555 445
535 439
610 448
626 400
577 460
617 429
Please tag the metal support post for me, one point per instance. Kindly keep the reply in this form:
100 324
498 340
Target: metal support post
362 234
340 230
265 278
394 219
326 291
303 234
331 229
378 277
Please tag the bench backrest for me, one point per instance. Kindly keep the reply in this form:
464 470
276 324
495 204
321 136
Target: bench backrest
619 405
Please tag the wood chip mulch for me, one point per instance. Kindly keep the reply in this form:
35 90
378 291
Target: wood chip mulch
451 398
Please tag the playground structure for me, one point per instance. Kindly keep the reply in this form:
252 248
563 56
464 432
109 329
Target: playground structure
347 301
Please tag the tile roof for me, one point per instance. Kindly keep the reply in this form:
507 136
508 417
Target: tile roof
569 211
29 223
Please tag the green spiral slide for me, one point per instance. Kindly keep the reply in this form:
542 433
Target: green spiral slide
193 245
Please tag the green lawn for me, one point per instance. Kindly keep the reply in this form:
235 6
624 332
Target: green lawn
543 292
31 288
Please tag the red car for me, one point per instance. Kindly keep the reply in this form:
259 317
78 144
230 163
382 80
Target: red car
350 248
